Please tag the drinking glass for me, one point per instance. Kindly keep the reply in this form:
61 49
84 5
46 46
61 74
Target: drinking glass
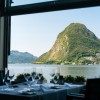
11 75
52 75
57 75
6 81
33 75
27 77
40 76
55 80
57 72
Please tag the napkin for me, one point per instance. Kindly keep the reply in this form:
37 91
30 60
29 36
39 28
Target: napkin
71 85
27 92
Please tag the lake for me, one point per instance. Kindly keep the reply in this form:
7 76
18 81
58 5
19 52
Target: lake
88 71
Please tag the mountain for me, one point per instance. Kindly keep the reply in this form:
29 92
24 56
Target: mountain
20 57
74 44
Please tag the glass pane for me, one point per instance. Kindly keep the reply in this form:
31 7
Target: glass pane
37 33
23 2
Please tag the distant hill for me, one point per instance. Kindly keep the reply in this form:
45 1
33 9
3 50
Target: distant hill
75 44
20 57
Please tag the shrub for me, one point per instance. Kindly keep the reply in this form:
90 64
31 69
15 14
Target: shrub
20 78
80 79
69 78
77 79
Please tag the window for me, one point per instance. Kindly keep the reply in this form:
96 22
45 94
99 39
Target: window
37 34
36 7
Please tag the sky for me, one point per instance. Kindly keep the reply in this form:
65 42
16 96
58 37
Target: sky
36 33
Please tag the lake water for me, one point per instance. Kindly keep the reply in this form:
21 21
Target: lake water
88 71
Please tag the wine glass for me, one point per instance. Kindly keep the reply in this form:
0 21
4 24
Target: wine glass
10 77
55 80
57 73
6 81
27 77
40 78
33 75
52 75
40 75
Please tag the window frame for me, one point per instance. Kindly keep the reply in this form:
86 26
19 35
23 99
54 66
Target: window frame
6 11
48 6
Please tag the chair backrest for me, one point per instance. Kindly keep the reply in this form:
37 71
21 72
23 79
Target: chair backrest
93 89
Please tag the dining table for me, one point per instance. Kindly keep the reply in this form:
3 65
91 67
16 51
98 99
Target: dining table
45 91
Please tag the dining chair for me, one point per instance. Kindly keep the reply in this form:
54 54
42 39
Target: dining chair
92 91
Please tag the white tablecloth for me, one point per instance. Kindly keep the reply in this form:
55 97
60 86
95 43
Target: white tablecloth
45 91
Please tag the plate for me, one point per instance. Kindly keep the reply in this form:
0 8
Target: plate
26 92
55 87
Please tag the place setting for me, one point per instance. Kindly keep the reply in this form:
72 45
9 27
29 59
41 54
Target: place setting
7 81
26 91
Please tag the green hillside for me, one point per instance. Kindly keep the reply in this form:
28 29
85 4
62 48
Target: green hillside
72 45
